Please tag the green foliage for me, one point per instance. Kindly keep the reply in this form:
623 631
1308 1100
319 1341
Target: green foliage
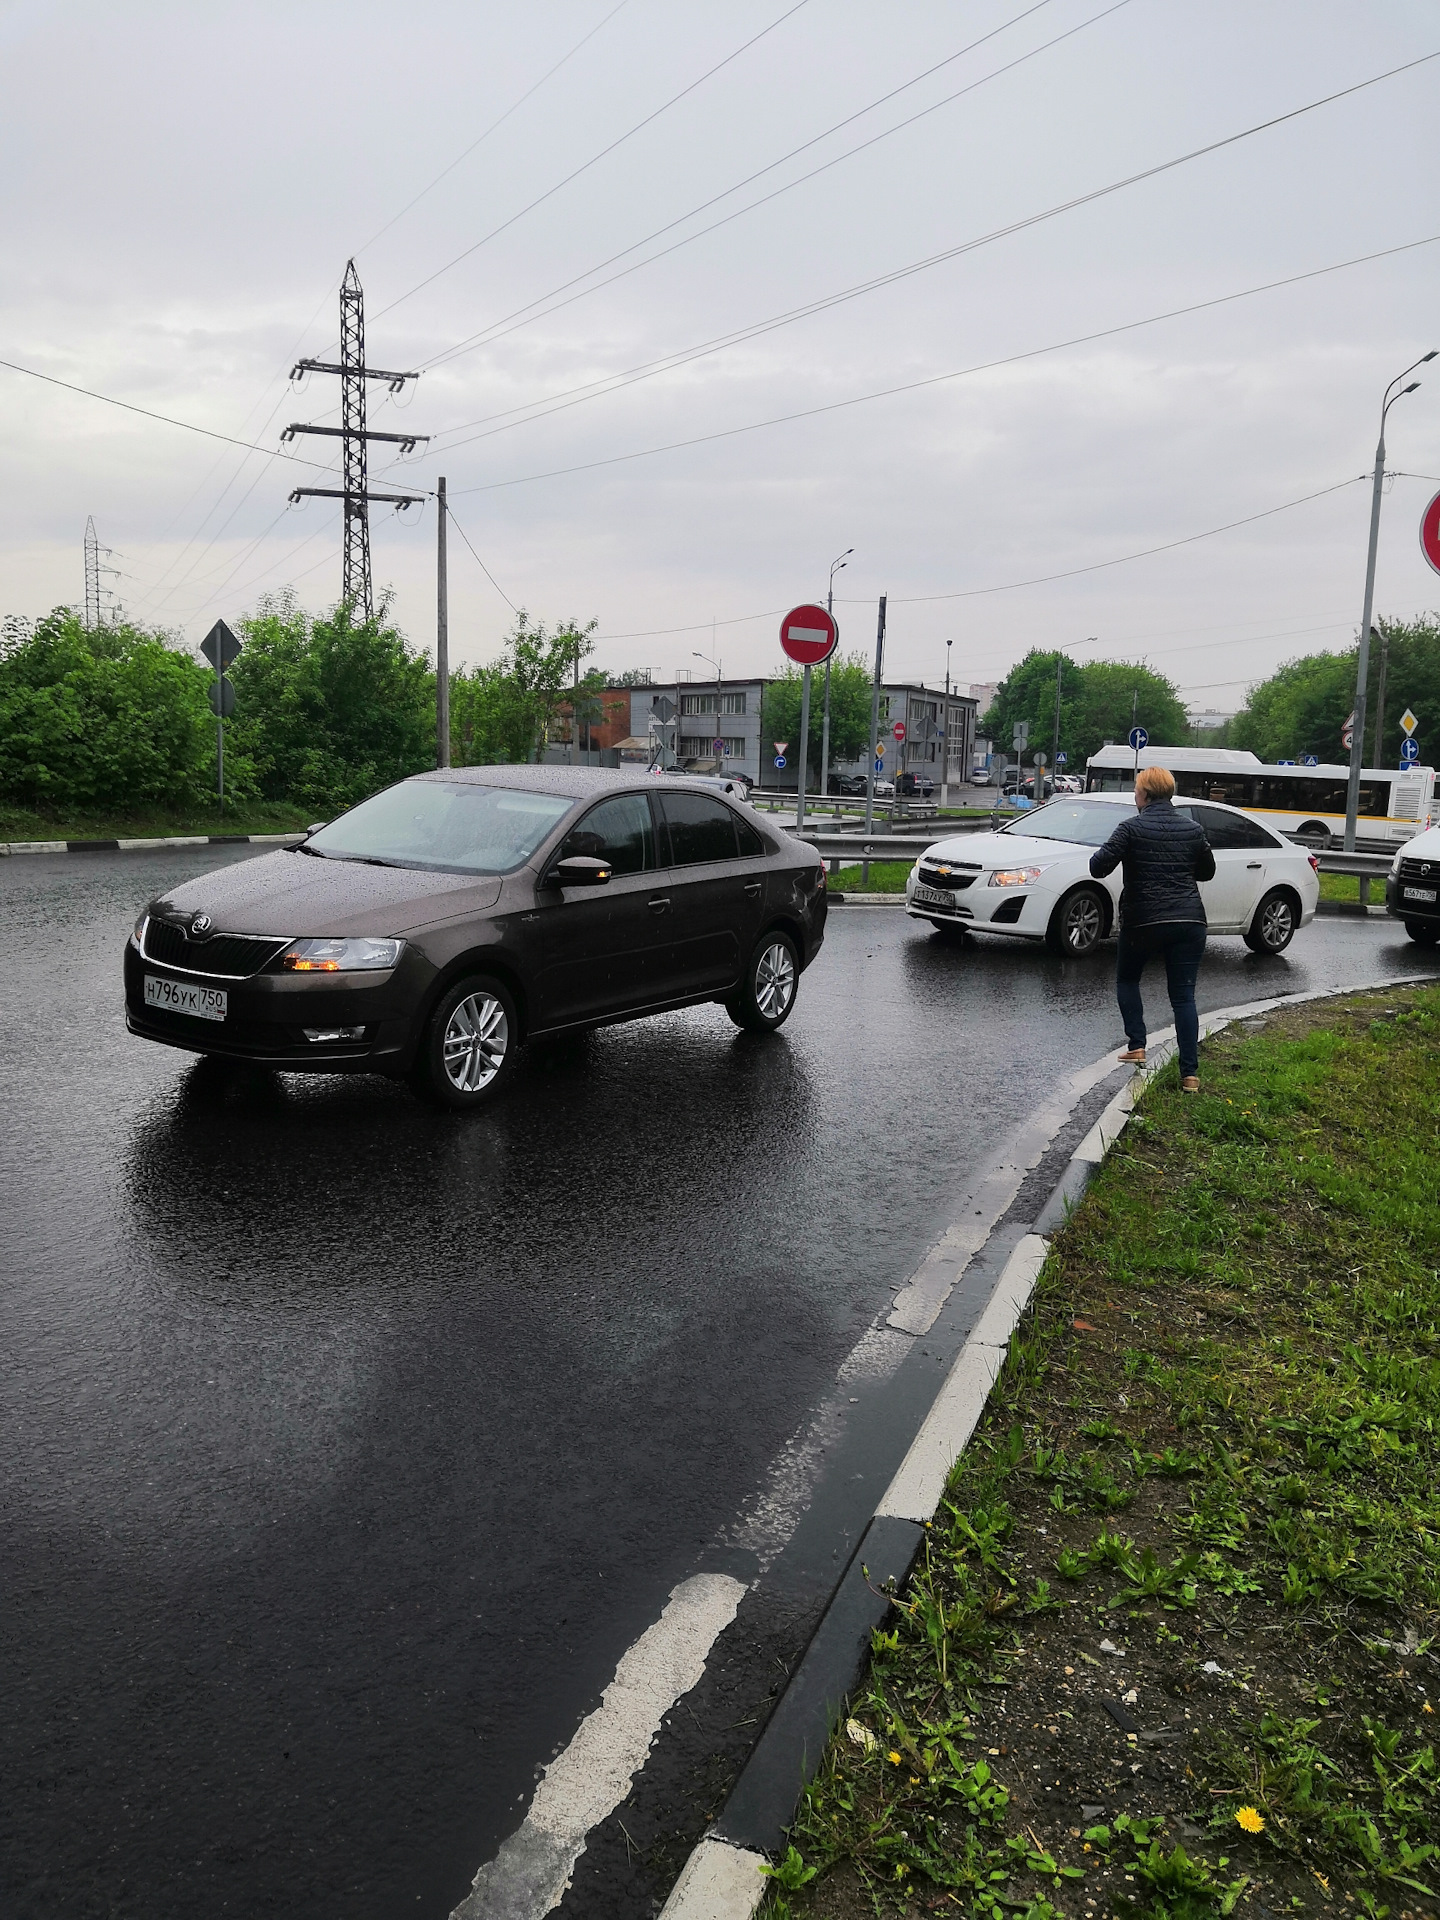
1096 703
501 712
1302 708
331 709
116 717
851 686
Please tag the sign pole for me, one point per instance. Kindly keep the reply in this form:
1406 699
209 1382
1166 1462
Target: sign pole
804 754
220 747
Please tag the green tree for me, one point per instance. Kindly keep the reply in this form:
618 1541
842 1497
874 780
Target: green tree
330 709
502 712
1096 703
850 688
104 718
1303 707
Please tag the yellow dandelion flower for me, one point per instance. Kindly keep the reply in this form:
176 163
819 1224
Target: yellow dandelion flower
894 1758
1250 1820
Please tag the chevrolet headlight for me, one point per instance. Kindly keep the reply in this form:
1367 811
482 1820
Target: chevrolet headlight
340 956
1014 876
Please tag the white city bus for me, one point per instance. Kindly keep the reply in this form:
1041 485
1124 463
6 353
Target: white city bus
1305 802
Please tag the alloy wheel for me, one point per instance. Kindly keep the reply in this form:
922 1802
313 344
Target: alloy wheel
1082 923
775 980
1277 923
477 1038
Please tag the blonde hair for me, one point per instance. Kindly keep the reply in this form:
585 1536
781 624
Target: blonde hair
1156 783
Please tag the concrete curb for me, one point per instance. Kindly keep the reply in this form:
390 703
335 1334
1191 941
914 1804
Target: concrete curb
144 846
724 1878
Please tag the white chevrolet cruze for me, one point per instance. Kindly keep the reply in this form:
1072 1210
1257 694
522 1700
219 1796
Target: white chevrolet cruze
1032 879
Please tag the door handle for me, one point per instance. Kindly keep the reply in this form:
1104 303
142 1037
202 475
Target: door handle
661 904
1254 866
753 887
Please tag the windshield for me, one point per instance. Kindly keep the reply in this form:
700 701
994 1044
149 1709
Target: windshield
455 828
1082 822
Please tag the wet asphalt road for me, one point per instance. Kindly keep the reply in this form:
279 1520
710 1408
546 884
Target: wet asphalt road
347 1446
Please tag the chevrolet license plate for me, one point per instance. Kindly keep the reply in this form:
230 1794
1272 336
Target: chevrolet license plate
933 897
182 996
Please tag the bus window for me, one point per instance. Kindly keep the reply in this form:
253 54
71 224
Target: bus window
1231 789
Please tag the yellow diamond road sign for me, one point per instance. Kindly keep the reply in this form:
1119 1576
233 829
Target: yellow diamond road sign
1408 722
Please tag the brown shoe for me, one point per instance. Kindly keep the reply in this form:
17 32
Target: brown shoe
1190 1084
1135 1054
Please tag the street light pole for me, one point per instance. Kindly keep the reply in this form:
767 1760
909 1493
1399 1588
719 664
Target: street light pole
719 699
1362 664
835 566
442 637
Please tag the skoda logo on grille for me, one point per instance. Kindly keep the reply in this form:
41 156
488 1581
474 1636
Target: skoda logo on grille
200 926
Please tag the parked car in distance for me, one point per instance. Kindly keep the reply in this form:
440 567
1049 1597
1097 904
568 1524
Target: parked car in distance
1069 783
1412 887
847 783
914 786
430 931
1031 880
982 777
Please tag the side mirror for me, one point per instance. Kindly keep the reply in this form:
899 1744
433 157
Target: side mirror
315 826
580 870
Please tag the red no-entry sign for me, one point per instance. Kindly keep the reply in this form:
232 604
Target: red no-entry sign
1430 533
809 635
898 729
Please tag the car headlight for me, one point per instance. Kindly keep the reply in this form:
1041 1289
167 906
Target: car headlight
1014 876
340 956
1395 864
138 936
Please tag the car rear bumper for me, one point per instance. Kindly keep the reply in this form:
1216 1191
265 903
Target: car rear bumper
267 1016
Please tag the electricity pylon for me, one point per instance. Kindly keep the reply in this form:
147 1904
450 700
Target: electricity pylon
95 594
353 435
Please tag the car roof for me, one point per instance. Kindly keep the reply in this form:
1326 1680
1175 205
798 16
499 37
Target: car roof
1184 799
572 783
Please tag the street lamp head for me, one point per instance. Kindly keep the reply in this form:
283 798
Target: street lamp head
1410 389
1427 356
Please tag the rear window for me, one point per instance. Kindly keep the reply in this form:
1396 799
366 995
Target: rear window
701 829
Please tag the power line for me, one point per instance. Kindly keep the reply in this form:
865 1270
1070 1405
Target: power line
595 159
1013 586
481 564
936 379
494 124
165 419
498 328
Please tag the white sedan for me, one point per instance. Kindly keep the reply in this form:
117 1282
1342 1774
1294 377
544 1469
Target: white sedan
1032 879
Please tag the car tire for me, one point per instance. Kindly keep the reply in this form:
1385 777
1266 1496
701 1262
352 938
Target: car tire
467 1051
767 991
1077 926
1273 925
1423 932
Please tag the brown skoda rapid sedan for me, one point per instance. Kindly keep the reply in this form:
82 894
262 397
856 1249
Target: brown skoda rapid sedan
432 929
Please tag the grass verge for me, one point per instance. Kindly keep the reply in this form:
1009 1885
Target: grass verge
151 823
1346 886
1170 1650
886 876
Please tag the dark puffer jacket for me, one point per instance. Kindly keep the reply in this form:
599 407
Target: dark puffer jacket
1163 853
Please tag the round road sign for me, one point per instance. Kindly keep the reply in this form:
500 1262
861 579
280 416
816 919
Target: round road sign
1409 750
898 730
779 759
809 635
1139 738
1430 533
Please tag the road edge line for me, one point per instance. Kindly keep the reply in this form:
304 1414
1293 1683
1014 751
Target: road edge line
762 1802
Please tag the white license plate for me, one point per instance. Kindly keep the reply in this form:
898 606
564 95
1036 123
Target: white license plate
179 996
1421 893
933 896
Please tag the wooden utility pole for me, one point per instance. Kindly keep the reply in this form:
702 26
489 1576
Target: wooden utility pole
442 636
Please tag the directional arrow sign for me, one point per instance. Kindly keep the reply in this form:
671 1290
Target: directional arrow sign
1139 738
220 646
1409 750
1408 721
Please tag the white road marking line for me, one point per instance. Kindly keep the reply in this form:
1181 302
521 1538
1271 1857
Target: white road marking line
581 1786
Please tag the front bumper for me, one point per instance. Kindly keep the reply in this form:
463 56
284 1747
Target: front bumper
1424 911
1025 910
267 1014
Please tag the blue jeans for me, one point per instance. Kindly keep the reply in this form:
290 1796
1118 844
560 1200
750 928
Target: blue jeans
1182 942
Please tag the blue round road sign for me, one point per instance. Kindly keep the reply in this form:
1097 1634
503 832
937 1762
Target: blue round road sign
779 759
1139 738
1409 750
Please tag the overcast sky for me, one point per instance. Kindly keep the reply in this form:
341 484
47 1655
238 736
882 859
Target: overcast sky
186 184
